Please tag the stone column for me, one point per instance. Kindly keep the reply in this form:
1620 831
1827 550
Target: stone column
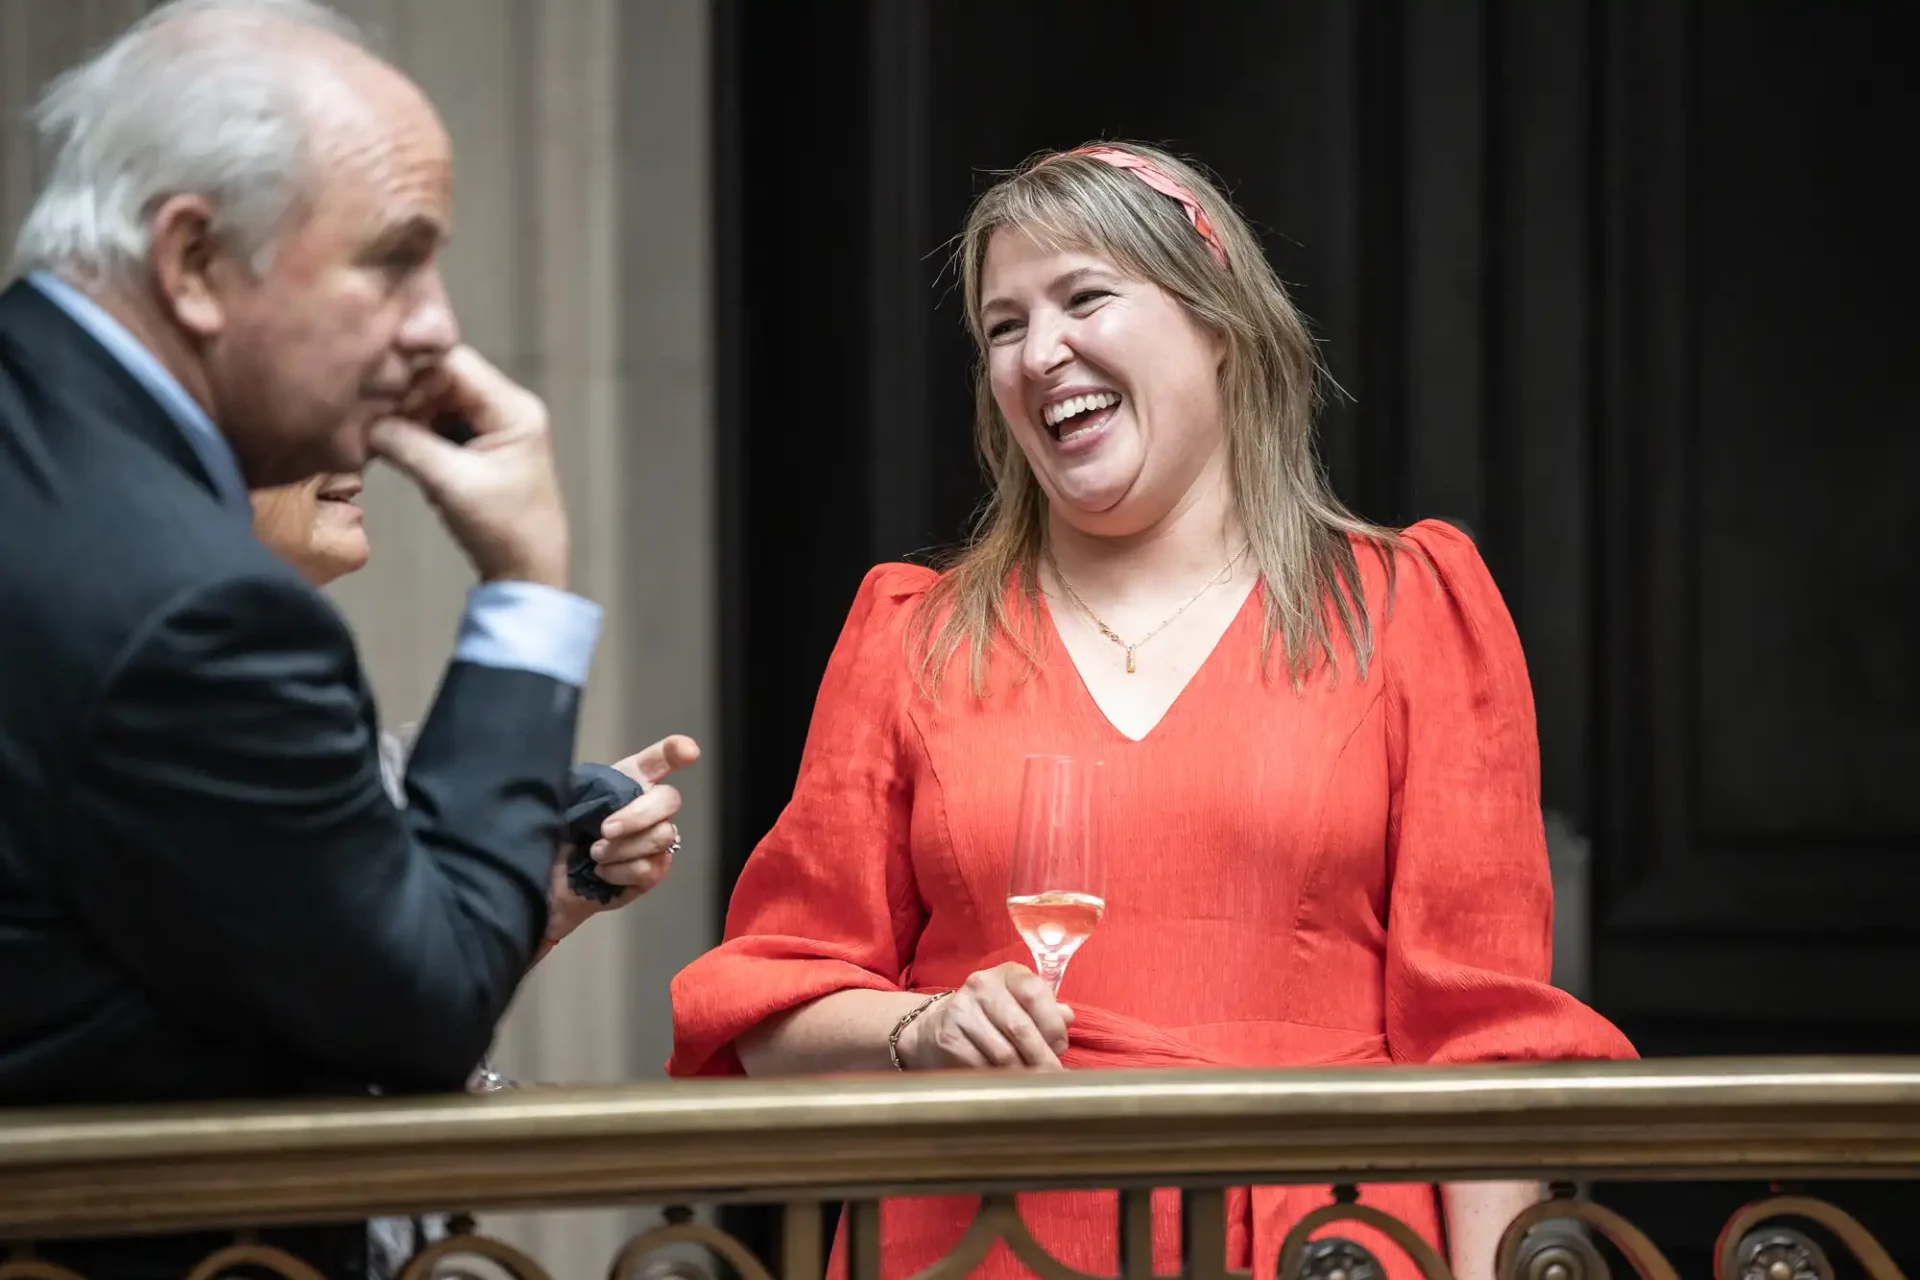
37 41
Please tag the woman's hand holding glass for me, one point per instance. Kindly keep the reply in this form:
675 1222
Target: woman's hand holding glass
1005 1016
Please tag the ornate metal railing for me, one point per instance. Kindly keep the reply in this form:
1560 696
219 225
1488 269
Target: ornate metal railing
806 1145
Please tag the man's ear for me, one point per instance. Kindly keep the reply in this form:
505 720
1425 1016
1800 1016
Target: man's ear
183 254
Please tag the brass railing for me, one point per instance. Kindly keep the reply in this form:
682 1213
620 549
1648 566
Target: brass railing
807 1144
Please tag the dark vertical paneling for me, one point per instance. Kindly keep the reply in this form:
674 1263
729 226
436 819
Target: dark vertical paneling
1446 263
804 301
731 373
1379 270
1541 385
899 303
1323 266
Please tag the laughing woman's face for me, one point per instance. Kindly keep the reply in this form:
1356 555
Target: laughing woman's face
1110 388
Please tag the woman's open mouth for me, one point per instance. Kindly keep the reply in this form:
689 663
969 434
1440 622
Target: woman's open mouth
1076 418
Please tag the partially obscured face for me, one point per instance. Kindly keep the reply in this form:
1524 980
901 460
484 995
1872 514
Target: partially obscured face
1110 388
315 525
323 342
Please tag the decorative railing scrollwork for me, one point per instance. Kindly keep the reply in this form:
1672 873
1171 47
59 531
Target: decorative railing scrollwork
1346 1207
812 1145
1337 1258
1640 1253
1755 1246
24 1266
1559 1255
1781 1253
438 1261
632 1261
253 1256
1557 1249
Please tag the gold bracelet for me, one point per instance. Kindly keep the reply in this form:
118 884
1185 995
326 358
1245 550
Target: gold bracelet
893 1041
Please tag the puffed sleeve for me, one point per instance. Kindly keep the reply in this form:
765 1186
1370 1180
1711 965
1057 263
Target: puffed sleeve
1470 914
827 902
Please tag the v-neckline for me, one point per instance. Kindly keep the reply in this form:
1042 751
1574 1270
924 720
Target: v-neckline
1093 703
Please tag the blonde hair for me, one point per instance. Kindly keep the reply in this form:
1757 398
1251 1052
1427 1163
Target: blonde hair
1301 536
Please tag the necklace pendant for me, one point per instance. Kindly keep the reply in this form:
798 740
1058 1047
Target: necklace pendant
1130 665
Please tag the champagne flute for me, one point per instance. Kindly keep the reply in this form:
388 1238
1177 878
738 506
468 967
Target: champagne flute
1058 890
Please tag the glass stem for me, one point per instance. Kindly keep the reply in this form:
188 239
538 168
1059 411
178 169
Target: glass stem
1052 970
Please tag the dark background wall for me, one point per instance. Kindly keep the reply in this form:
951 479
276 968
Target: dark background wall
1621 284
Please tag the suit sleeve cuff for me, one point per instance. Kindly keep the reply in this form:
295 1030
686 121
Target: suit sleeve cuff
524 626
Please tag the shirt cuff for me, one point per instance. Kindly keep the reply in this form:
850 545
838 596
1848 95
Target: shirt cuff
527 627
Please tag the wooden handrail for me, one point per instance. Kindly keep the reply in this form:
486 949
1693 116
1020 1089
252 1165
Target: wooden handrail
123 1170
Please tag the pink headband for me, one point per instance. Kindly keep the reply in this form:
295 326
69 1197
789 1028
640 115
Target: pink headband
1163 182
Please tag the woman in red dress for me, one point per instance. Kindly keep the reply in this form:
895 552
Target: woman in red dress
1322 826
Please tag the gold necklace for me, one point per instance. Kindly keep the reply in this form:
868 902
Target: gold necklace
1113 635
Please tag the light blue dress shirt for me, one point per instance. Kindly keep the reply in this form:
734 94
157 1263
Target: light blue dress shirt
521 626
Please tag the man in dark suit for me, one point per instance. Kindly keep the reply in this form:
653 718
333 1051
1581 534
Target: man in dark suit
230 281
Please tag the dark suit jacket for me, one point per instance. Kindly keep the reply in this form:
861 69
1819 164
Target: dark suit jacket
205 892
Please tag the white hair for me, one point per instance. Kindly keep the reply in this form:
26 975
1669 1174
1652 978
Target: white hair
196 98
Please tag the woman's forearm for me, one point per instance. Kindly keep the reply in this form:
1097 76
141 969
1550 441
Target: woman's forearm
845 1031
1477 1216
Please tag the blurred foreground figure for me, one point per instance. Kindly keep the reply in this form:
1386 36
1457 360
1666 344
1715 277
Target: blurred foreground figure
316 526
230 282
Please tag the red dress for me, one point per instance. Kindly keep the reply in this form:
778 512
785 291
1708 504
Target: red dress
1355 872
